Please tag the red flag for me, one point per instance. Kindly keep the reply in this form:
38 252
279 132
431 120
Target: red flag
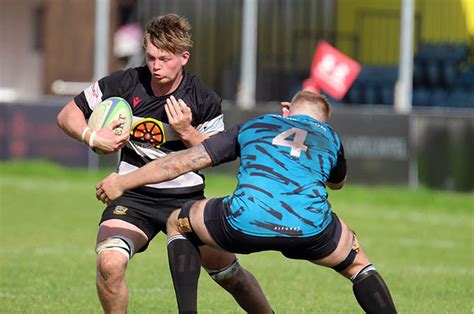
310 85
332 71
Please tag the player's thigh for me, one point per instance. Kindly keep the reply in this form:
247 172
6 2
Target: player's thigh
213 258
116 227
196 216
361 260
342 250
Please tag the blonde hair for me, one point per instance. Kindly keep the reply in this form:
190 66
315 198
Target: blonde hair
321 102
169 32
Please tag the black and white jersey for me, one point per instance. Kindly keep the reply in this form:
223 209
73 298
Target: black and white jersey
151 136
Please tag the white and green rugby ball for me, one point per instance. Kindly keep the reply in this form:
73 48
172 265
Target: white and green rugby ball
113 108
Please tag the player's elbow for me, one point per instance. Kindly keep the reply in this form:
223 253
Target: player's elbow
64 115
61 119
336 186
68 115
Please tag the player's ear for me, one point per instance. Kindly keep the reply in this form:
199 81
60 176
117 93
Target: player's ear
185 57
285 109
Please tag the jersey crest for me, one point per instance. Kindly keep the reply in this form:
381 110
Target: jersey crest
149 131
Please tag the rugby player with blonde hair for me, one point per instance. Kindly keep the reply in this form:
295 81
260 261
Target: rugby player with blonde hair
172 110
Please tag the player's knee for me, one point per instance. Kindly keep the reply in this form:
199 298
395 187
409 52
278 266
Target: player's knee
230 277
354 261
366 271
109 266
119 244
172 223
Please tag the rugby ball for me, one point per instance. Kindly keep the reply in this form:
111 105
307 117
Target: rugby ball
113 108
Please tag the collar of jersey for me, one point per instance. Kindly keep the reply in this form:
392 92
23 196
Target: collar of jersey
306 118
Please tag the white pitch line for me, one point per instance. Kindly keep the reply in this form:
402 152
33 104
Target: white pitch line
39 251
435 219
45 184
443 244
151 290
452 269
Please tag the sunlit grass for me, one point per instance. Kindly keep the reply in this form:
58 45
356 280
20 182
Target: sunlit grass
421 241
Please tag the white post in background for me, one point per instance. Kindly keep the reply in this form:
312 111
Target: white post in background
248 81
101 50
403 88
101 55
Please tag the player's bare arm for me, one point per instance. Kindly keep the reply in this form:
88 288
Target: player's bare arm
180 118
72 121
159 170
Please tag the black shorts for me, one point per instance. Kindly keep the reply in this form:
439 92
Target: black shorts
232 240
149 214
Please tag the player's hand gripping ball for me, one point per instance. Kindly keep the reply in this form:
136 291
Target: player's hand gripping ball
111 109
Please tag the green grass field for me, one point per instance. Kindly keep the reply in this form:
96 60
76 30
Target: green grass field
421 241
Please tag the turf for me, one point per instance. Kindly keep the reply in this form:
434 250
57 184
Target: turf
421 241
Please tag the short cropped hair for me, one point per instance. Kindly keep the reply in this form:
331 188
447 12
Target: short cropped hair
169 32
320 100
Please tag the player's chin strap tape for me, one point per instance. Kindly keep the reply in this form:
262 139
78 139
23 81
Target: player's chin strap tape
225 273
116 243
185 224
350 257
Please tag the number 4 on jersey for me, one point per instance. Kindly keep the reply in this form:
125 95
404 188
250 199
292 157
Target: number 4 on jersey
296 144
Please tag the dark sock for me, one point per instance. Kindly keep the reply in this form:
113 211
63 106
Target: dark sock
185 265
372 293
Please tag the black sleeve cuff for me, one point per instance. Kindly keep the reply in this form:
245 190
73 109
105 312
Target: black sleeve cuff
338 173
223 147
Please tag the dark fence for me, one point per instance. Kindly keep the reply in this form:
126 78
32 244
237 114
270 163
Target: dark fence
431 148
29 131
288 32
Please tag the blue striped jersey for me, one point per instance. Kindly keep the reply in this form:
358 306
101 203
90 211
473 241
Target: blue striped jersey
284 166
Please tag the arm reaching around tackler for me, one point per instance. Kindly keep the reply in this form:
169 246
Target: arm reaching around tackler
159 170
